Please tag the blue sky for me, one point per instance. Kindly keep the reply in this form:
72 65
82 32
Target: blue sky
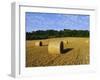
46 21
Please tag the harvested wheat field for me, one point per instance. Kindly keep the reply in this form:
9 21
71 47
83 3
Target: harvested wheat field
75 52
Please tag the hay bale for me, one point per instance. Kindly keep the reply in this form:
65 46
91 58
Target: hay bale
65 41
44 42
38 43
55 47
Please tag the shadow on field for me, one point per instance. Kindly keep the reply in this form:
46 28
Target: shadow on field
66 50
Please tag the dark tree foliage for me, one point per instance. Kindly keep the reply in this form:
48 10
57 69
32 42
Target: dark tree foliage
40 34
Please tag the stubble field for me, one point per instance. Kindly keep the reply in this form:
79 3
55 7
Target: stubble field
77 52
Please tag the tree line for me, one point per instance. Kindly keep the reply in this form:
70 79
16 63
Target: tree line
41 34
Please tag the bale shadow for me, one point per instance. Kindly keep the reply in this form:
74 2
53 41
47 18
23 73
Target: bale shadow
66 50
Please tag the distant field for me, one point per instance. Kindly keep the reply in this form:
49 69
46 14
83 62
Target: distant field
38 55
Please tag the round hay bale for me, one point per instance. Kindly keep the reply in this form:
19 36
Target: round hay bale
44 42
55 47
65 41
38 43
